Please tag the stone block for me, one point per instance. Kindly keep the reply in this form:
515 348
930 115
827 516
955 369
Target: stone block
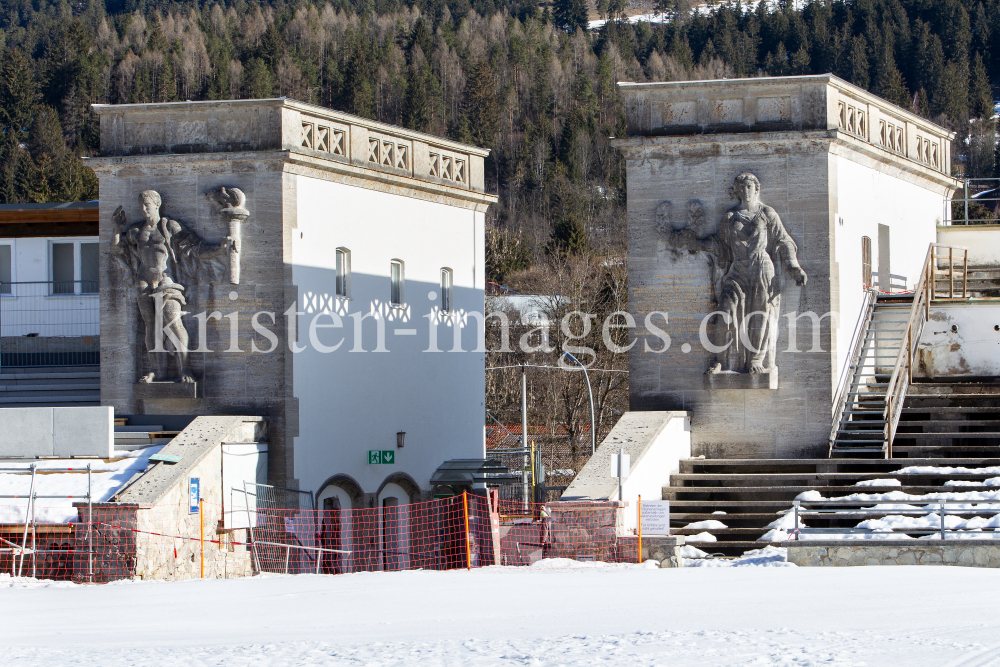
966 557
164 390
83 431
906 558
27 432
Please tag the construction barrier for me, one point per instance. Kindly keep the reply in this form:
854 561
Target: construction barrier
110 541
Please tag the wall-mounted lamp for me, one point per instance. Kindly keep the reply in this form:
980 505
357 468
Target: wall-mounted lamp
399 439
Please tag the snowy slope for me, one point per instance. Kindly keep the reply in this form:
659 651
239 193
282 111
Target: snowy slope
106 478
933 616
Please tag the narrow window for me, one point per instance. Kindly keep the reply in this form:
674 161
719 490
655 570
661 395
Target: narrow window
88 268
866 261
446 283
396 283
63 268
6 270
343 272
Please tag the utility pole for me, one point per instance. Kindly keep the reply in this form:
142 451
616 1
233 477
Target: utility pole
524 433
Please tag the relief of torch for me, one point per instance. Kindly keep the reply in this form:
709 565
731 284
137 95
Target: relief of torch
234 209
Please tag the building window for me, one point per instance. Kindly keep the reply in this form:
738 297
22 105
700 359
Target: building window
343 272
88 268
396 279
6 268
74 267
866 261
446 283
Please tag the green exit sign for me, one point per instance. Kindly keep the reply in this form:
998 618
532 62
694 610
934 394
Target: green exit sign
380 456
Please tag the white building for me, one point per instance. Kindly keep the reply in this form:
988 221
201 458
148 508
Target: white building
374 233
49 299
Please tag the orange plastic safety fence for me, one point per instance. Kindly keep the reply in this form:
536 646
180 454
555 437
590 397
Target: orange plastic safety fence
112 541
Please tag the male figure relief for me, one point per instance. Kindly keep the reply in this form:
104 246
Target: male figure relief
161 254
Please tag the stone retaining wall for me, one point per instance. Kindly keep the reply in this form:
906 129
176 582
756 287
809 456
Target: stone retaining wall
971 553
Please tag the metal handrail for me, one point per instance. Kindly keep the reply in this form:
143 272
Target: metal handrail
923 294
977 202
860 332
920 507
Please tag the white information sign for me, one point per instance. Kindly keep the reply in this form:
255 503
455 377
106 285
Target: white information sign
655 517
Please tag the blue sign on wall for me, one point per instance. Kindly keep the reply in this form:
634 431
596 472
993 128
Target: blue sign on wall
194 494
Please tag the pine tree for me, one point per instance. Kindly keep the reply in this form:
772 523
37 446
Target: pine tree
889 81
18 96
980 93
258 81
571 14
569 237
482 104
859 62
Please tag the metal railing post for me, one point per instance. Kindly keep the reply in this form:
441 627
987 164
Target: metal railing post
795 510
941 509
965 273
27 515
951 272
965 196
90 527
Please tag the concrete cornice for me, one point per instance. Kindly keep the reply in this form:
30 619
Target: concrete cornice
747 86
295 162
772 106
205 106
833 141
244 127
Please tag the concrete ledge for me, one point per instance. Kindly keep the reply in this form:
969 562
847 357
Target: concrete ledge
849 553
166 390
733 380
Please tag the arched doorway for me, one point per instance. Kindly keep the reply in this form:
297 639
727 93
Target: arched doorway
337 499
394 537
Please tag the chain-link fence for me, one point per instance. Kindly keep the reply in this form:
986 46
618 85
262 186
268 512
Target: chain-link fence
54 323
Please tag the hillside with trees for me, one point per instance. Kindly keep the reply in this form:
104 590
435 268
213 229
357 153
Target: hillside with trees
525 79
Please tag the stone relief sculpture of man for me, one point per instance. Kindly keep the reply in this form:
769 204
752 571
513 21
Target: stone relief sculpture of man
162 257
749 248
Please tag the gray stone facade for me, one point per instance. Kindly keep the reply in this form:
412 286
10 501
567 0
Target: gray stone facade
968 553
187 152
815 145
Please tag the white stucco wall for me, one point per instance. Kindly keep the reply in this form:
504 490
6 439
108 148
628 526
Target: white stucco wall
862 198
352 402
982 241
960 340
30 308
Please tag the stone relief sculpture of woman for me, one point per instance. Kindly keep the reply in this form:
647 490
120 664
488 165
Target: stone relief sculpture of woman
750 247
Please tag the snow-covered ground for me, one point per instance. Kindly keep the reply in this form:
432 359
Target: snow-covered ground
618 615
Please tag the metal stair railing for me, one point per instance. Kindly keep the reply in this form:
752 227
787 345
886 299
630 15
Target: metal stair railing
844 393
925 292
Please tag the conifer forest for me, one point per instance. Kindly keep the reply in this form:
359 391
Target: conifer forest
529 80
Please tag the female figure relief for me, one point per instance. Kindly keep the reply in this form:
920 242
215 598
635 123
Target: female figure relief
749 246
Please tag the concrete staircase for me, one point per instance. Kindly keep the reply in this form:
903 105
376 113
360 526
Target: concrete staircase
50 386
140 436
754 492
950 420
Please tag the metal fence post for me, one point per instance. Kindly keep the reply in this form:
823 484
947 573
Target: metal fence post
795 510
941 509
27 516
90 527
